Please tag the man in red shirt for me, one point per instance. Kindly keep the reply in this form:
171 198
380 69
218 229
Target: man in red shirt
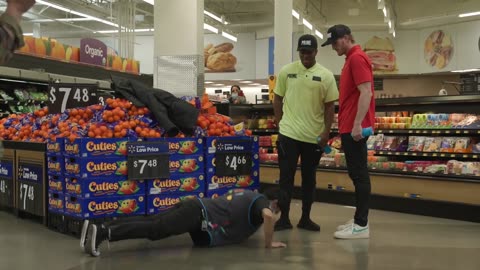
356 112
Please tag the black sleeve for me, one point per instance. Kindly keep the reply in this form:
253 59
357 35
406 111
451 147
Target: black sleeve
256 210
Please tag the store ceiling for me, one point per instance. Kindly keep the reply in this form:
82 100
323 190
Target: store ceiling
257 15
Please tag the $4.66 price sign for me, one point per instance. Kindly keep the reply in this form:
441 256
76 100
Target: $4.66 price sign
148 160
233 157
64 96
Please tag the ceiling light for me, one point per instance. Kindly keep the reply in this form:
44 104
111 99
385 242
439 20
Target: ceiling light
393 33
389 23
246 82
381 4
469 14
320 35
149 1
61 20
208 82
384 11
28 34
307 24
466 70
41 2
210 28
116 31
229 36
295 14
213 16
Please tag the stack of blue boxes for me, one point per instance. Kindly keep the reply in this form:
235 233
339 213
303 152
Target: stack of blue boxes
56 177
96 183
187 175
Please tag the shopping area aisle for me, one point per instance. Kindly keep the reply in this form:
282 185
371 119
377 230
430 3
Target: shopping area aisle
398 241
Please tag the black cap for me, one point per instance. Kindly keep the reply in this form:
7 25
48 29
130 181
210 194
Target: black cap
307 42
335 32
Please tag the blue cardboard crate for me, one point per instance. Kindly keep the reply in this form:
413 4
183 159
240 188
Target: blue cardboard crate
212 194
100 187
166 201
56 147
100 207
55 164
210 165
92 147
184 146
55 202
214 182
183 165
112 167
235 143
177 184
56 183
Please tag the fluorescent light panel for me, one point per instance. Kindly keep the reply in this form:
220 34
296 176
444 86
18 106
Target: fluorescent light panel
213 16
229 36
116 31
469 14
295 14
307 24
61 20
149 1
466 70
320 35
210 28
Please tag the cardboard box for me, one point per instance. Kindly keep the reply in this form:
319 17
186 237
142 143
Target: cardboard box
91 147
215 182
55 164
100 187
185 165
112 167
177 184
166 201
104 206
56 183
55 202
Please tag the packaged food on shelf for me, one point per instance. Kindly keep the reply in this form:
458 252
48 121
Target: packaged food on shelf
416 143
448 145
5 96
462 145
432 144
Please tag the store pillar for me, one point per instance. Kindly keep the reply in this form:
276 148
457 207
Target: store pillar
178 48
283 33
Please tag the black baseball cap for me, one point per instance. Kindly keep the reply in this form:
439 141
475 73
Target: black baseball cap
307 42
335 32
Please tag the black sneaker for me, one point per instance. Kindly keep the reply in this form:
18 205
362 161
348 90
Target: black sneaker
83 236
95 236
308 225
282 225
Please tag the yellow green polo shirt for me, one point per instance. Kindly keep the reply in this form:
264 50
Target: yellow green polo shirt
305 92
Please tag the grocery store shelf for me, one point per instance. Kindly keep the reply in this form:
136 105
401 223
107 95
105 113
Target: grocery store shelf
419 175
429 131
264 130
427 154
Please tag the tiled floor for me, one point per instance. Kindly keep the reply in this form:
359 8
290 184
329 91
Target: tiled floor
398 241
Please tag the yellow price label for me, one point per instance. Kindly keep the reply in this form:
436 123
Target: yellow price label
442 155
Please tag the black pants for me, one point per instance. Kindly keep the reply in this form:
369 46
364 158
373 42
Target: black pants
185 217
288 152
356 157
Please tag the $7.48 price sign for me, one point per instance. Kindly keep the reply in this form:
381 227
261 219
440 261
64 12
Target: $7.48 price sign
26 192
148 160
142 163
64 96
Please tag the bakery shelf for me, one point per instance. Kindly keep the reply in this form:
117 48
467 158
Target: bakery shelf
419 175
428 154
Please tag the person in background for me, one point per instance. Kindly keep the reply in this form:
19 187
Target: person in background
229 219
237 96
305 93
11 35
356 112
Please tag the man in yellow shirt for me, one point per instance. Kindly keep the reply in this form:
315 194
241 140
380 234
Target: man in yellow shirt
11 36
305 93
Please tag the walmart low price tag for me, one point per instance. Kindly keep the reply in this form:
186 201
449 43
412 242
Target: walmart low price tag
148 160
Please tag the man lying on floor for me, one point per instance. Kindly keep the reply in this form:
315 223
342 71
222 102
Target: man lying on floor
228 219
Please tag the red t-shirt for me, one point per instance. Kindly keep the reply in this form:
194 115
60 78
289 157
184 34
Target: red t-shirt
357 70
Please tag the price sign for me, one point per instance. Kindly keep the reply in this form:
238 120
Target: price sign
64 96
233 157
29 191
26 196
148 160
6 188
230 164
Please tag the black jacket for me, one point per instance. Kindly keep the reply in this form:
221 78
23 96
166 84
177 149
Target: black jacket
173 114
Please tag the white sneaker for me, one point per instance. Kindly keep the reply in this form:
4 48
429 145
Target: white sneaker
353 231
343 226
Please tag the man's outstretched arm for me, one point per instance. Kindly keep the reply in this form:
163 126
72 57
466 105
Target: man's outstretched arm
268 228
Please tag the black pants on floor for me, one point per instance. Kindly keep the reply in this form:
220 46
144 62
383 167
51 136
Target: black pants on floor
357 165
185 217
288 152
